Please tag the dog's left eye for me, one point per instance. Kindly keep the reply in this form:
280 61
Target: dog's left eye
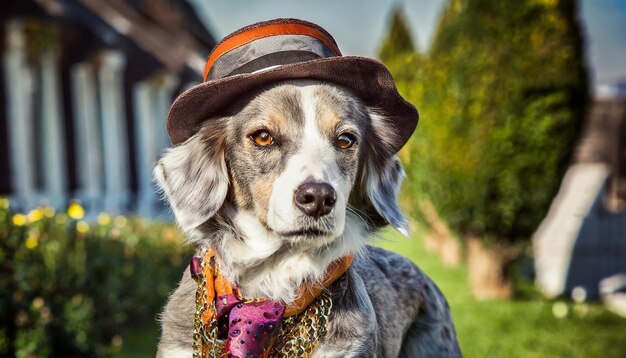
262 138
345 141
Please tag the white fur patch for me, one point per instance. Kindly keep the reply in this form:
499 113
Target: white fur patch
262 271
315 161
382 128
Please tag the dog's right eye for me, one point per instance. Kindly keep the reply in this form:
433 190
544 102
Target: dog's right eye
262 138
345 141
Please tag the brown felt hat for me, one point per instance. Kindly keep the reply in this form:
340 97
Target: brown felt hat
285 49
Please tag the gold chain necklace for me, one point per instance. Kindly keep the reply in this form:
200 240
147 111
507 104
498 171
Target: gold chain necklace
298 335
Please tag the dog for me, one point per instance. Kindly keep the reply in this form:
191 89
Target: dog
284 180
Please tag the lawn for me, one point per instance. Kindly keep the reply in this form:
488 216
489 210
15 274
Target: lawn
491 328
518 328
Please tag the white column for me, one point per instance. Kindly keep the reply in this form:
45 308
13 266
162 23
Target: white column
146 145
114 133
151 100
19 91
54 164
163 103
87 136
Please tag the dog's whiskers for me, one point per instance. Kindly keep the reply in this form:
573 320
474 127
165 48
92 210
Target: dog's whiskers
359 214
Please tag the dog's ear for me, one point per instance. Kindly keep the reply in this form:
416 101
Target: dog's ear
381 176
194 177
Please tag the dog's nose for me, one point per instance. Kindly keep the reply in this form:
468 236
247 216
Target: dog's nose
315 199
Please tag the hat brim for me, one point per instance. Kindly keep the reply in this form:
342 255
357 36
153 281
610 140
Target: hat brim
367 78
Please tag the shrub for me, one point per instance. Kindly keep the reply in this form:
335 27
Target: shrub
69 287
502 94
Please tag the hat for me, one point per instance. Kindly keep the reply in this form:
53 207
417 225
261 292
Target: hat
286 49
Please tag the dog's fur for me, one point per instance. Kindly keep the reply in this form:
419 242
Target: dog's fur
228 192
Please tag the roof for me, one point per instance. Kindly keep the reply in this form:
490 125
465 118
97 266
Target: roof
167 30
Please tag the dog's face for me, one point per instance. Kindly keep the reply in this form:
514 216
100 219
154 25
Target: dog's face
293 156
297 160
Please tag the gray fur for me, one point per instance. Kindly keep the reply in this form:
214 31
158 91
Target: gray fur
383 187
193 176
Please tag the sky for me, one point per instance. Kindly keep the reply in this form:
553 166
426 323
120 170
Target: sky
359 25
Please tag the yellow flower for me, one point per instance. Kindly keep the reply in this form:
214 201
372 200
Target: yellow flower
120 221
49 212
35 215
75 211
560 310
104 219
82 227
169 235
4 203
38 302
32 242
19 220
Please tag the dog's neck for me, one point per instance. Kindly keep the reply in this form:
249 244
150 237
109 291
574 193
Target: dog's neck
263 264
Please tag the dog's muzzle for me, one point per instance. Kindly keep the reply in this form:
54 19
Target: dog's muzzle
315 199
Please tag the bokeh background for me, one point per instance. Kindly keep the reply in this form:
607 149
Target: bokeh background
516 175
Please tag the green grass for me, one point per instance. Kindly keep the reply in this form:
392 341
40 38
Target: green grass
517 328
490 328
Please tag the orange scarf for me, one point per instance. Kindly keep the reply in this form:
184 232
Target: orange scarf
224 306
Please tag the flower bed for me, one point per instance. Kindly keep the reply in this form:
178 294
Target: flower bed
69 286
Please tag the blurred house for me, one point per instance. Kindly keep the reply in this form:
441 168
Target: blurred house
583 238
85 86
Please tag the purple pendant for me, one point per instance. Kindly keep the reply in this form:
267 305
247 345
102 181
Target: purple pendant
195 267
224 303
253 328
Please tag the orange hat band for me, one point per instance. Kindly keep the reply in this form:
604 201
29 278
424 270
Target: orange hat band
297 42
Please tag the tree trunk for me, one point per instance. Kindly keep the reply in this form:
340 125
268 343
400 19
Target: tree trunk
440 239
489 269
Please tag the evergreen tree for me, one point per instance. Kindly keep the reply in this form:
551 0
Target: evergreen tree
505 92
399 54
398 40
